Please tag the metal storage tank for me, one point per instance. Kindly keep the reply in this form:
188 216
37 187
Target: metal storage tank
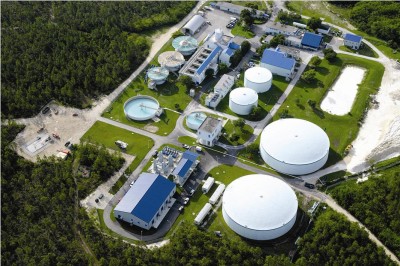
259 207
186 45
294 146
171 60
158 74
258 79
243 100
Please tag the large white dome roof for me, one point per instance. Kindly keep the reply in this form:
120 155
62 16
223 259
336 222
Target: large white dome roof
243 96
295 141
258 75
260 202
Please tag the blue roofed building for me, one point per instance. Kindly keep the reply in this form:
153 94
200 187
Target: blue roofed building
278 62
353 41
185 167
311 41
147 201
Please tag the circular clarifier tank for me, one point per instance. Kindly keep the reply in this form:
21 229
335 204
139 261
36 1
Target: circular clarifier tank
141 108
158 74
195 119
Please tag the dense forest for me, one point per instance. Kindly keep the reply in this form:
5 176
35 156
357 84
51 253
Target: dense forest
376 203
377 18
42 223
74 51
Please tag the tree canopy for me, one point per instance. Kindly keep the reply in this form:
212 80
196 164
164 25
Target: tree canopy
73 51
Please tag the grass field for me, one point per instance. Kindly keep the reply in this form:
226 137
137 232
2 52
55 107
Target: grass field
105 134
261 4
341 130
238 30
364 50
244 133
187 140
266 100
168 95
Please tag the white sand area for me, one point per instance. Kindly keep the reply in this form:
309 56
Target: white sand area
340 97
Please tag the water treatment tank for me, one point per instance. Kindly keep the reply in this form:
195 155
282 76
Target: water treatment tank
258 79
243 100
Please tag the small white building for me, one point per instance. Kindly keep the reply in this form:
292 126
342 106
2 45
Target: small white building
293 41
209 131
353 41
194 24
223 86
278 63
275 28
208 184
147 202
202 214
217 194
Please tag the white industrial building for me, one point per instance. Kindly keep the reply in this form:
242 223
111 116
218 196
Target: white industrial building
353 41
208 184
186 165
278 63
228 52
275 28
258 79
235 9
294 146
147 202
222 88
243 100
209 131
293 41
259 207
209 55
171 60
194 25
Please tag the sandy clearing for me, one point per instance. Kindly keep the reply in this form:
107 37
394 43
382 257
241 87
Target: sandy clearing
340 97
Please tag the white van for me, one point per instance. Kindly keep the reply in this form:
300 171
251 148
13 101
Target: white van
199 149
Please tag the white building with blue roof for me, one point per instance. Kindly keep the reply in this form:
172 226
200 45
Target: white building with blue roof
311 41
208 56
278 62
353 41
147 202
185 167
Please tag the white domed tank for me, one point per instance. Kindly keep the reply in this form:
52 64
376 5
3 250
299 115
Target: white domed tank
158 74
258 79
243 100
171 60
259 207
294 146
186 45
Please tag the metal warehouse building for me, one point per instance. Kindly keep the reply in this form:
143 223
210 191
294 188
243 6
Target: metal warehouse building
294 146
147 202
259 207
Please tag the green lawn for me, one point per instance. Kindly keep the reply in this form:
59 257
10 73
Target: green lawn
187 140
341 130
261 4
120 182
364 50
244 134
105 134
238 30
168 95
266 100
223 173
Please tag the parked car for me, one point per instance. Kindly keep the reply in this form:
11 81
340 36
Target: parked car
199 149
180 209
131 184
155 154
186 146
192 192
96 200
208 22
74 114
309 185
185 201
67 143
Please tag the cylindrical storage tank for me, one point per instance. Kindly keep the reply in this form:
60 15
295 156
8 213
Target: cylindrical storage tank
186 45
294 146
259 207
258 79
243 100
141 108
158 74
195 119
171 60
